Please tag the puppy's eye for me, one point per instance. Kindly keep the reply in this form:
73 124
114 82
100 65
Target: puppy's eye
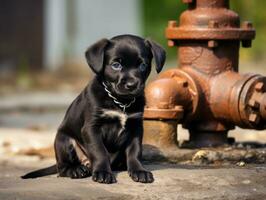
143 67
116 66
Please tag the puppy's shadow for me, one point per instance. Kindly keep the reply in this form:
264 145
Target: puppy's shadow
157 159
154 159
162 166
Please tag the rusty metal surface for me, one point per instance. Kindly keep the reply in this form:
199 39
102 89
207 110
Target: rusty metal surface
155 113
214 96
161 134
162 99
210 20
251 104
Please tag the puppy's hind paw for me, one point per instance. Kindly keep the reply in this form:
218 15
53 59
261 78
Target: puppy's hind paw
103 177
75 172
141 176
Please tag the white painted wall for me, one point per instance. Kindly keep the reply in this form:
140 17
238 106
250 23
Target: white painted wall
93 20
54 32
105 18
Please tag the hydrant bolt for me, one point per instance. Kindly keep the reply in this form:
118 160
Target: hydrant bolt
213 24
187 1
259 87
253 103
254 118
212 43
171 43
172 24
247 25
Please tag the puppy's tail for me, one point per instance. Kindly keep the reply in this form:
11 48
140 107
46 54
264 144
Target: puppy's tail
41 172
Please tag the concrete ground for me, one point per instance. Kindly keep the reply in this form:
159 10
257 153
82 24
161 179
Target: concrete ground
172 181
189 174
226 173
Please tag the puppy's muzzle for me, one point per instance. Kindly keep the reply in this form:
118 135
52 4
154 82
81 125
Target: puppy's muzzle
128 85
132 85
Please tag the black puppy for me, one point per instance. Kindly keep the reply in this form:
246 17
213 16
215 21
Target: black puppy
102 129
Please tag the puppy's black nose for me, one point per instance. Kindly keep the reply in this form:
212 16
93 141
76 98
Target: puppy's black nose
131 85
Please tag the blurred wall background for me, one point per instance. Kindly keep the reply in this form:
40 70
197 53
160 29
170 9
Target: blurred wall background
50 36
44 33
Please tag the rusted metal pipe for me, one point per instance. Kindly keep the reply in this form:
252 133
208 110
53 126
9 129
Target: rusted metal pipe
161 133
162 113
213 95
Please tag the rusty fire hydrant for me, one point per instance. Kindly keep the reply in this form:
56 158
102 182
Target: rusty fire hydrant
206 94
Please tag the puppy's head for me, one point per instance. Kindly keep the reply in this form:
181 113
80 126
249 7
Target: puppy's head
124 63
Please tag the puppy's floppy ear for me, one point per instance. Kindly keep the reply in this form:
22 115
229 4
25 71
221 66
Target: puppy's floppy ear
158 54
95 55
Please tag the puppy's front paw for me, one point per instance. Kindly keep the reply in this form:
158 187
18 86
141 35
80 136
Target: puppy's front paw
141 176
103 177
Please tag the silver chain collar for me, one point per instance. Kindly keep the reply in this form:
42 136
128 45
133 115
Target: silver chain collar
121 105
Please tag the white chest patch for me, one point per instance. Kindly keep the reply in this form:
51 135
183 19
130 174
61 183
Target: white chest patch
116 114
